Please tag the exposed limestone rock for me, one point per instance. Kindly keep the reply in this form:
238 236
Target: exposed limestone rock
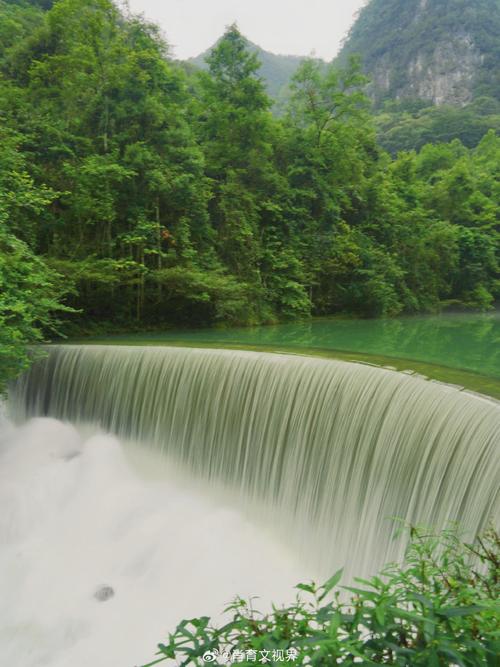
447 76
429 50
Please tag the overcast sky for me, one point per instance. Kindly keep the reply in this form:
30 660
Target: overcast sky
297 27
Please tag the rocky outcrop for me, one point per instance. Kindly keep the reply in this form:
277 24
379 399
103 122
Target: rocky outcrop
430 50
445 76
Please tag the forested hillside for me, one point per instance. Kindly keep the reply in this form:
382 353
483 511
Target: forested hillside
440 51
434 68
412 124
155 197
276 70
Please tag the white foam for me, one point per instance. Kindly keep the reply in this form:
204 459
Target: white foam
76 515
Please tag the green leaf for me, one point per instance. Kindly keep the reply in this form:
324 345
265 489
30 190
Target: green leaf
450 653
380 614
460 611
331 583
308 588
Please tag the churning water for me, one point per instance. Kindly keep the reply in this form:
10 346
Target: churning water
319 454
77 518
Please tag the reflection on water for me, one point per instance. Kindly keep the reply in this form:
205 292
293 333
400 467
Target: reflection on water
464 341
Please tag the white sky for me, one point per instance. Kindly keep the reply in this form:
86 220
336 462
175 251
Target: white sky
295 27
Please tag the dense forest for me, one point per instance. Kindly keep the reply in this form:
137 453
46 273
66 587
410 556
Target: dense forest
410 124
138 193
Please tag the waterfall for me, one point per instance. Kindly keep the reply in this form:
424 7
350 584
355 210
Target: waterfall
326 452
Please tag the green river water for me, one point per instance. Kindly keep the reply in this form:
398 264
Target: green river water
461 349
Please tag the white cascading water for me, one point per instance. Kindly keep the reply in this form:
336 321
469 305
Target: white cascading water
77 516
321 455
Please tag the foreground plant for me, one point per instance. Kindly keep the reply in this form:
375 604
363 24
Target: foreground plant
440 607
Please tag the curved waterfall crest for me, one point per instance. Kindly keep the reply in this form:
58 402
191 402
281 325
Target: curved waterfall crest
331 449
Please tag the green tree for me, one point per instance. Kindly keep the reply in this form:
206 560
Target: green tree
30 293
248 206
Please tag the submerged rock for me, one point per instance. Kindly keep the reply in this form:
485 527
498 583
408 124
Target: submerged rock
71 455
104 593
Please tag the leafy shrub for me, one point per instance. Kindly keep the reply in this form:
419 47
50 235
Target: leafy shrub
30 300
440 607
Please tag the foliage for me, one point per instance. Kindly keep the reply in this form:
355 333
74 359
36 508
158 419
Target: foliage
276 70
18 19
29 297
170 196
29 291
401 130
440 607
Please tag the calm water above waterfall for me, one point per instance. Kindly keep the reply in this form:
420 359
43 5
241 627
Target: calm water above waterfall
463 341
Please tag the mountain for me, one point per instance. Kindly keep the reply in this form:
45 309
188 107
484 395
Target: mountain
276 70
444 52
439 52
434 67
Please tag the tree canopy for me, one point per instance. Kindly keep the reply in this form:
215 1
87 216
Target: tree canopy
160 196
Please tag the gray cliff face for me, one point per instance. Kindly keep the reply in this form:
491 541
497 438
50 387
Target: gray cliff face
437 51
445 76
